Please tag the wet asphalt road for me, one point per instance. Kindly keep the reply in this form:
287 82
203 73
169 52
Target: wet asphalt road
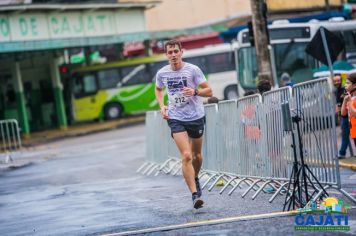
88 186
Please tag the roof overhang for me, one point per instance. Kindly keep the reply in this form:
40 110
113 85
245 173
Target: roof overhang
64 7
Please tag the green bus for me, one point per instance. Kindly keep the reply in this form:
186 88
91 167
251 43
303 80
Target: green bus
126 87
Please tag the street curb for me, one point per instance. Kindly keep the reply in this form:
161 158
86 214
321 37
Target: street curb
14 166
347 165
125 122
91 129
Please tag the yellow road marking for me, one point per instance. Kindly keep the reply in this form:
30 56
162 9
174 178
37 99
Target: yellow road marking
204 222
351 166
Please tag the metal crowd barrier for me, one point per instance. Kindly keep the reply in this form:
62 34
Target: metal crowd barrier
10 140
278 142
211 141
219 146
245 143
161 153
314 103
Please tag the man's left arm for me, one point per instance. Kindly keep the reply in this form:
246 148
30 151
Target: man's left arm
203 90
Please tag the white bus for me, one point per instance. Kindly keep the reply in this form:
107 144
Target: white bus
288 42
218 64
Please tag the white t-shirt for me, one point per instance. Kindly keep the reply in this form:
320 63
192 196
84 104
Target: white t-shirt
180 107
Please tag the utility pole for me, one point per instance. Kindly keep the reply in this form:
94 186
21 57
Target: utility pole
327 5
259 23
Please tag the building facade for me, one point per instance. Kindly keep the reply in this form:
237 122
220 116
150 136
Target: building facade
180 14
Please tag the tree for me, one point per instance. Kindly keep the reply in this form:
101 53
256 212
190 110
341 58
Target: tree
259 23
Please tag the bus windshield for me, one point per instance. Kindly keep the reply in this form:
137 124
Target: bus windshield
247 65
289 57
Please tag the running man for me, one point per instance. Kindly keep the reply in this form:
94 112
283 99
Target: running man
185 84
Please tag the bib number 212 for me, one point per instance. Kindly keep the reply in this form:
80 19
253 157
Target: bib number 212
180 100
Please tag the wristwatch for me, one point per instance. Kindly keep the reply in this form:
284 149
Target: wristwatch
196 91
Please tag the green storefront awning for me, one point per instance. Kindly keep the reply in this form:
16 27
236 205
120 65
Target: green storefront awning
36 45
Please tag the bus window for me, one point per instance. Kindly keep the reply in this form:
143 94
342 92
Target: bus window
291 58
132 75
89 84
349 37
108 78
200 61
85 85
155 66
247 67
350 40
220 62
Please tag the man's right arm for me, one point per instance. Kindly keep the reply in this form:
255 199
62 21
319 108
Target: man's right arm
159 97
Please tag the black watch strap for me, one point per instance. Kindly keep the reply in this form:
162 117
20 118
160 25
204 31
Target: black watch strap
196 92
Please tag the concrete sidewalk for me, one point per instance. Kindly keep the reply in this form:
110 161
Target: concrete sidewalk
349 162
79 130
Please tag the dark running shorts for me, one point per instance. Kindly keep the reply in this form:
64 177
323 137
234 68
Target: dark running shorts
194 128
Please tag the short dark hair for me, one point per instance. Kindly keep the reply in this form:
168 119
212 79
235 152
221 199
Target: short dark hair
213 100
172 42
263 85
352 77
248 93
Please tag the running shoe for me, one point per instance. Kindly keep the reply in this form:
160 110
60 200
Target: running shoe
197 201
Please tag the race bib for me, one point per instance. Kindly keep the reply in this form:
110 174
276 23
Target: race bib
179 100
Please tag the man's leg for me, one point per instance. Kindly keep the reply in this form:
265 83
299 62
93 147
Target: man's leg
196 145
182 141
